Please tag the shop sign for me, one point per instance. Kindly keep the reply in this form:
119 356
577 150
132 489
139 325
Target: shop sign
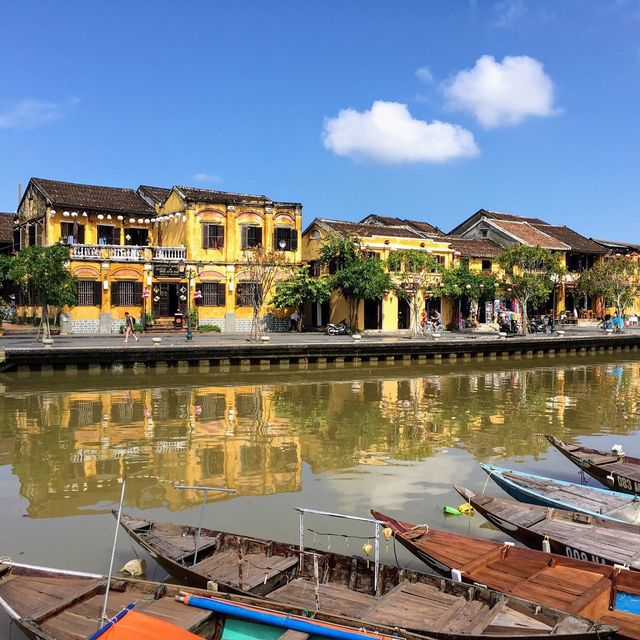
166 271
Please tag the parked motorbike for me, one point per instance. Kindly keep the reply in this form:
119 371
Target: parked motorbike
537 325
338 329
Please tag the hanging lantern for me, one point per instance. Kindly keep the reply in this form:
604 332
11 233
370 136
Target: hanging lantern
367 548
121 218
184 218
387 532
147 221
100 216
52 212
74 214
66 214
132 220
85 214
140 220
108 216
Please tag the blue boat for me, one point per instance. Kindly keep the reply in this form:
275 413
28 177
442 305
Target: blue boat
547 492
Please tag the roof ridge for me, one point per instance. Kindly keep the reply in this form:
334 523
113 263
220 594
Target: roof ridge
83 184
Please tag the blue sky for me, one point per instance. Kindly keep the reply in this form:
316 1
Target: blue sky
421 109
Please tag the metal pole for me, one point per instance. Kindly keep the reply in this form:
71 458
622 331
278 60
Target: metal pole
204 501
103 617
553 310
343 516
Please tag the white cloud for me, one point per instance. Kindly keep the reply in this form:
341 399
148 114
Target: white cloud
502 93
210 178
29 113
388 133
424 74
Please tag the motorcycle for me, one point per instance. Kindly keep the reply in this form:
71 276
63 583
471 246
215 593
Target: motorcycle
338 329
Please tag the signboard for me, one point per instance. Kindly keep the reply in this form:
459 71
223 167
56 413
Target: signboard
166 271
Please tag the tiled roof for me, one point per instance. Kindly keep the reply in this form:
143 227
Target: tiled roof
472 248
95 198
367 230
6 227
157 194
511 217
577 242
528 234
616 245
420 225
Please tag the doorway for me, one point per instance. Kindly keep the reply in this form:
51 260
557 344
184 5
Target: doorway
373 314
404 314
168 299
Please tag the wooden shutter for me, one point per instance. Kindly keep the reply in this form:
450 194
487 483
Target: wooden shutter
220 237
137 293
205 236
294 239
97 293
115 294
258 235
244 234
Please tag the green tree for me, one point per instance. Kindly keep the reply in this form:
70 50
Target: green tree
417 271
358 275
300 289
44 273
532 272
614 279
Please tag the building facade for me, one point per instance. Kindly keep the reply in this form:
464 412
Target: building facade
148 251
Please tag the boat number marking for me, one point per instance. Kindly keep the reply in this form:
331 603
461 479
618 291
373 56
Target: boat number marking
582 555
627 484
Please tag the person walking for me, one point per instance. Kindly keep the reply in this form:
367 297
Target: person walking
129 327
294 319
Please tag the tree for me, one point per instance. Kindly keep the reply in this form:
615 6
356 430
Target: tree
614 279
299 289
44 273
532 272
416 270
261 269
358 275
458 281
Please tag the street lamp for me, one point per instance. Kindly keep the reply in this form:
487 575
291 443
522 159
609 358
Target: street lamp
191 272
554 279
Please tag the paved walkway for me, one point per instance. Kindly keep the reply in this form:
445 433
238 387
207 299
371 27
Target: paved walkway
18 340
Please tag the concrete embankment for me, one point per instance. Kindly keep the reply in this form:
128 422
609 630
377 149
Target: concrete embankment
283 351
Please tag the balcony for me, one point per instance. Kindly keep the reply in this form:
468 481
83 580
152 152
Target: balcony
126 253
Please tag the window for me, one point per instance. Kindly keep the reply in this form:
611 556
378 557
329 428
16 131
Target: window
67 234
484 233
89 293
212 236
135 237
245 293
213 294
126 293
486 265
288 236
251 236
315 268
108 235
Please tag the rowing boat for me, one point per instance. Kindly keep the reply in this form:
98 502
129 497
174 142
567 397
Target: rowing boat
601 593
422 605
569 533
614 469
54 604
547 492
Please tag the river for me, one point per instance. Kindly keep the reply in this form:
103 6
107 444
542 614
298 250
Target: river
343 439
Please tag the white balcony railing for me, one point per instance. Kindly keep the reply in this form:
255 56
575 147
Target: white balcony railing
169 253
126 253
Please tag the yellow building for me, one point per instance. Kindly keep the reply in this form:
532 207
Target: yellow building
148 251
379 236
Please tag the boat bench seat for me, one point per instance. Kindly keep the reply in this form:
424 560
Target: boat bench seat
257 568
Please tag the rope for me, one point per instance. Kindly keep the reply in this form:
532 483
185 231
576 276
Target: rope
339 535
487 481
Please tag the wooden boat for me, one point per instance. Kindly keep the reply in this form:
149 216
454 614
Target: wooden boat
568 533
614 469
599 592
547 492
422 605
52 604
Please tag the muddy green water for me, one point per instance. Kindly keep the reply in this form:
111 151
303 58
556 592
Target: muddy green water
343 440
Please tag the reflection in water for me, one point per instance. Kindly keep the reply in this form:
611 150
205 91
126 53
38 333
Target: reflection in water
69 447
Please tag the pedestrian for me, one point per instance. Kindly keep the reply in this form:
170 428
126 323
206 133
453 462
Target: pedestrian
129 327
294 317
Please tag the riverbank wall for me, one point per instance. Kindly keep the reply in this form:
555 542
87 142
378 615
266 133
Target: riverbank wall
76 355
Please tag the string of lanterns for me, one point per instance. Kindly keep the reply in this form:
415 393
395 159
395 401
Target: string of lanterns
176 217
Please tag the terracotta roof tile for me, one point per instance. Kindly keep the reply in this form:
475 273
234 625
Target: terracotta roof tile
368 230
528 234
420 225
577 242
473 248
6 227
92 197
157 194
512 217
